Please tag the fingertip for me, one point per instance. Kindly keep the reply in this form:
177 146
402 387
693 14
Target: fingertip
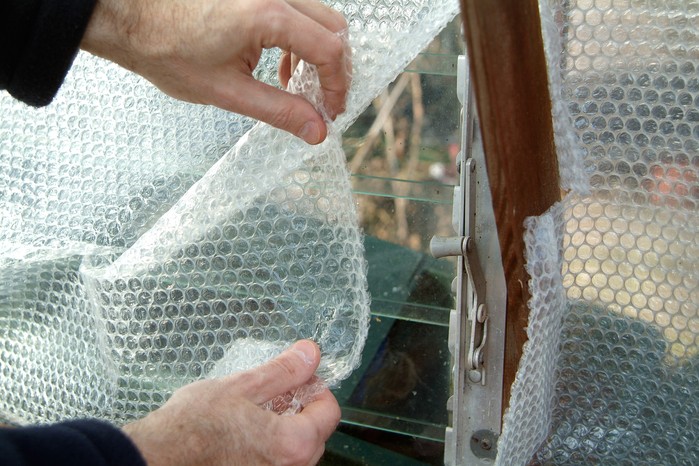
323 412
308 351
313 132
331 404
284 373
285 68
336 76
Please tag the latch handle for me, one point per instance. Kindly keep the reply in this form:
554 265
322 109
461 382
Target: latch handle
450 246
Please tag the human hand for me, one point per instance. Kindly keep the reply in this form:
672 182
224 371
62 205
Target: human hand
204 51
220 421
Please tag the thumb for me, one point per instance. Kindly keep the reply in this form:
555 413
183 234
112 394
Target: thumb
291 369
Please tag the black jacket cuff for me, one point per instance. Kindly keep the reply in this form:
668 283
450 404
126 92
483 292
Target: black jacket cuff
72 443
47 44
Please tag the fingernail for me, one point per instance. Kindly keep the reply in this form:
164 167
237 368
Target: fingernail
306 351
310 133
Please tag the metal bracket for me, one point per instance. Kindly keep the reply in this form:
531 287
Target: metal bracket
477 325
463 247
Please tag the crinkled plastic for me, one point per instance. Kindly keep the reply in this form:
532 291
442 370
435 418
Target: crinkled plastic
139 252
610 372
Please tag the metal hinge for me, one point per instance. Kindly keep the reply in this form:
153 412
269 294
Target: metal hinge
477 325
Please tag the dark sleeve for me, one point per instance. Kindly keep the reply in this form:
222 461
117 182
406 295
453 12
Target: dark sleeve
38 42
73 443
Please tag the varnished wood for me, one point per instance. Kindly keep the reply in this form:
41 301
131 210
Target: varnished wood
508 70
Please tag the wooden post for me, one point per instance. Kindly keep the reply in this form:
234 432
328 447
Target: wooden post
508 69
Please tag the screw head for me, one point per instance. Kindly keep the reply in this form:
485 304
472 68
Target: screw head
484 444
474 376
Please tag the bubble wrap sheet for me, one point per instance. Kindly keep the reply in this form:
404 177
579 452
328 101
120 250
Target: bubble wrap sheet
139 252
611 372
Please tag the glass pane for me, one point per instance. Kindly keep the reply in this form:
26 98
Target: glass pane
410 132
405 381
402 154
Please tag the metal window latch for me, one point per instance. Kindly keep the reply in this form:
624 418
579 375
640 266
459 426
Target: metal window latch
470 269
477 325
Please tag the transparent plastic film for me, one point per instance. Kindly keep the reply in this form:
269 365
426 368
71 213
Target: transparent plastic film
149 242
611 372
270 234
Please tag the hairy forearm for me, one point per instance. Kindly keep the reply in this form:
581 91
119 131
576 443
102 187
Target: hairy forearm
135 33
112 30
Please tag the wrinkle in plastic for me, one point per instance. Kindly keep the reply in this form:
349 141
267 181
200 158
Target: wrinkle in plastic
610 374
138 251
